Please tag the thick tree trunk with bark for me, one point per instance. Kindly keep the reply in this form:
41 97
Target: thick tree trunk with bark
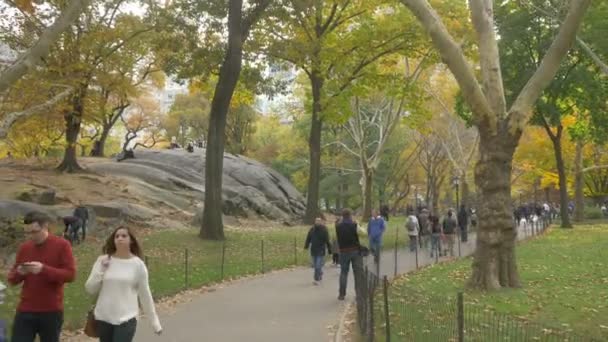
99 151
579 199
213 226
73 119
494 264
314 144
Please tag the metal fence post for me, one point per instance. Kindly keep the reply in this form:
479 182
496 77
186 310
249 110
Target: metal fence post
460 317
262 255
395 251
186 257
295 251
416 250
387 318
370 328
223 258
459 238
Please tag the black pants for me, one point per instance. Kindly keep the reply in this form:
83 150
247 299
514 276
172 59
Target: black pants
116 333
47 325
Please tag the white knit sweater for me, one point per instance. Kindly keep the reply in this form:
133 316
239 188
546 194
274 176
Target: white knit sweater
119 287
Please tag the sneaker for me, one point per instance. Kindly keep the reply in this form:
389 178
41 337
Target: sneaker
315 282
340 297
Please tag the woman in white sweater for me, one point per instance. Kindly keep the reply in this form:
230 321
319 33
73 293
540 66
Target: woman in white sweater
120 277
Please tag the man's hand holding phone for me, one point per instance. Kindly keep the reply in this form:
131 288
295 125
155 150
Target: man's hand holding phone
33 267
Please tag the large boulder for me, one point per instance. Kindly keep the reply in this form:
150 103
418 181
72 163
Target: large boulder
44 197
176 178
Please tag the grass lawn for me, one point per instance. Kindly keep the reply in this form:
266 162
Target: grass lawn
565 289
165 252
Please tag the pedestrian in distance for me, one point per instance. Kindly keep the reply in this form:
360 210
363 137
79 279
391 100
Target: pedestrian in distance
318 240
350 252
450 225
413 229
375 230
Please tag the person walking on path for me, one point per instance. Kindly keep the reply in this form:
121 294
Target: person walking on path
43 265
449 230
318 239
350 252
375 230
463 220
424 223
335 252
436 233
413 229
119 278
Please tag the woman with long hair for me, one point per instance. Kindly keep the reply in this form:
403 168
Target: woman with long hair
120 278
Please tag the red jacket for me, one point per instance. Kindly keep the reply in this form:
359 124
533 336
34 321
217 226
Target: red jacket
43 292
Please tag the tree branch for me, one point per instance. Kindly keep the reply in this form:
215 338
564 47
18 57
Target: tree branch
482 13
9 119
34 54
452 55
520 112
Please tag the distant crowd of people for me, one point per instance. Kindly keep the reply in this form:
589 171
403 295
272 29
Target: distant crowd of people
423 228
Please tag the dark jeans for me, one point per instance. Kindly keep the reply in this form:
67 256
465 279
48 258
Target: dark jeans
375 245
346 259
2 331
116 333
464 234
317 263
47 325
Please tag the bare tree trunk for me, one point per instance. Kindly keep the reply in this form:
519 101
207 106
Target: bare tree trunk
494 264
73 120
579 199
465 192
213 226
314 144
556 139
368 175
99 148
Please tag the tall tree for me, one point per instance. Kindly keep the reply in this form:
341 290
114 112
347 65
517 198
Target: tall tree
494 263
333 43
239 26
370 127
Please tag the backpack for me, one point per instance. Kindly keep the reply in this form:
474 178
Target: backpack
410 224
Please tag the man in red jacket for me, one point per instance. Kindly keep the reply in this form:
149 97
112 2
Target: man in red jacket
44 264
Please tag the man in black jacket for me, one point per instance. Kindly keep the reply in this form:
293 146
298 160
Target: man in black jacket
83 214
350 251
318 239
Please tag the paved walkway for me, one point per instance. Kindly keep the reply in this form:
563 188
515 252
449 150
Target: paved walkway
280 306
